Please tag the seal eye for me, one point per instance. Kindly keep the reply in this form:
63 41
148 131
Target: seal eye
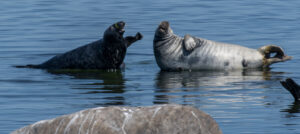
116 26
119 25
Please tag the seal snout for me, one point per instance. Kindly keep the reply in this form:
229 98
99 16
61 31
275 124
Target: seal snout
164 25
120 27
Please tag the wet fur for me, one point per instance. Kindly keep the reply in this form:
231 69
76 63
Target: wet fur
175 53
290 85
106 53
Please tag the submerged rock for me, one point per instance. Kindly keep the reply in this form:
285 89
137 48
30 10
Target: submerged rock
158 119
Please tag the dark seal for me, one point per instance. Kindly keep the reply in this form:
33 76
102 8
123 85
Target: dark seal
106 53
290 85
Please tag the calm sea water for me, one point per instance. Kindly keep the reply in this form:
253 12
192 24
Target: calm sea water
242 102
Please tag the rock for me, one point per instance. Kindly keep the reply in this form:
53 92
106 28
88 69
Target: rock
158 119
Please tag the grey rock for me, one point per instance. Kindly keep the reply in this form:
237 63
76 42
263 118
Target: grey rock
158 119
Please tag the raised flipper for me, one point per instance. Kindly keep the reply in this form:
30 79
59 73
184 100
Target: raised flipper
189 43
292 87
131 39
267 50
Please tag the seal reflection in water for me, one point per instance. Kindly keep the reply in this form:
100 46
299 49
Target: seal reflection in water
106 53
192 53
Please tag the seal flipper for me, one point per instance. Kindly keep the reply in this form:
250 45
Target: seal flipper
189 43
292 87
267 50
131 39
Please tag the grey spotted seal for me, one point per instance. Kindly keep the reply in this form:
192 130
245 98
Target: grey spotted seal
106 53
173 52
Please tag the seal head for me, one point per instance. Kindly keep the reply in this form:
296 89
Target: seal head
115 32
163 31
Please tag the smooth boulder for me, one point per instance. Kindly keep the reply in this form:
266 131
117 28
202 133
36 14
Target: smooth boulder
158 119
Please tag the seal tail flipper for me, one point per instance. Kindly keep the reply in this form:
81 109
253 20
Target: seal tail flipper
189 43
280 56
292 87
28 66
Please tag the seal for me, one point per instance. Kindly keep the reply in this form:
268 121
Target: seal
106 53
290 85
175 53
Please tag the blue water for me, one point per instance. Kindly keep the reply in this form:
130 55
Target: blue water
242 102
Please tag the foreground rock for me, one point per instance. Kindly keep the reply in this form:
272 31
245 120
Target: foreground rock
159 119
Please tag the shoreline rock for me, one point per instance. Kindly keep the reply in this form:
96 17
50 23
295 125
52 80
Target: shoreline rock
157 119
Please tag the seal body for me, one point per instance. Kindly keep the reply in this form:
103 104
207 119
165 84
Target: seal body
91 56
192 53
106 53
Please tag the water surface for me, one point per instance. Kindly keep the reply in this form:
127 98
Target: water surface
245 102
